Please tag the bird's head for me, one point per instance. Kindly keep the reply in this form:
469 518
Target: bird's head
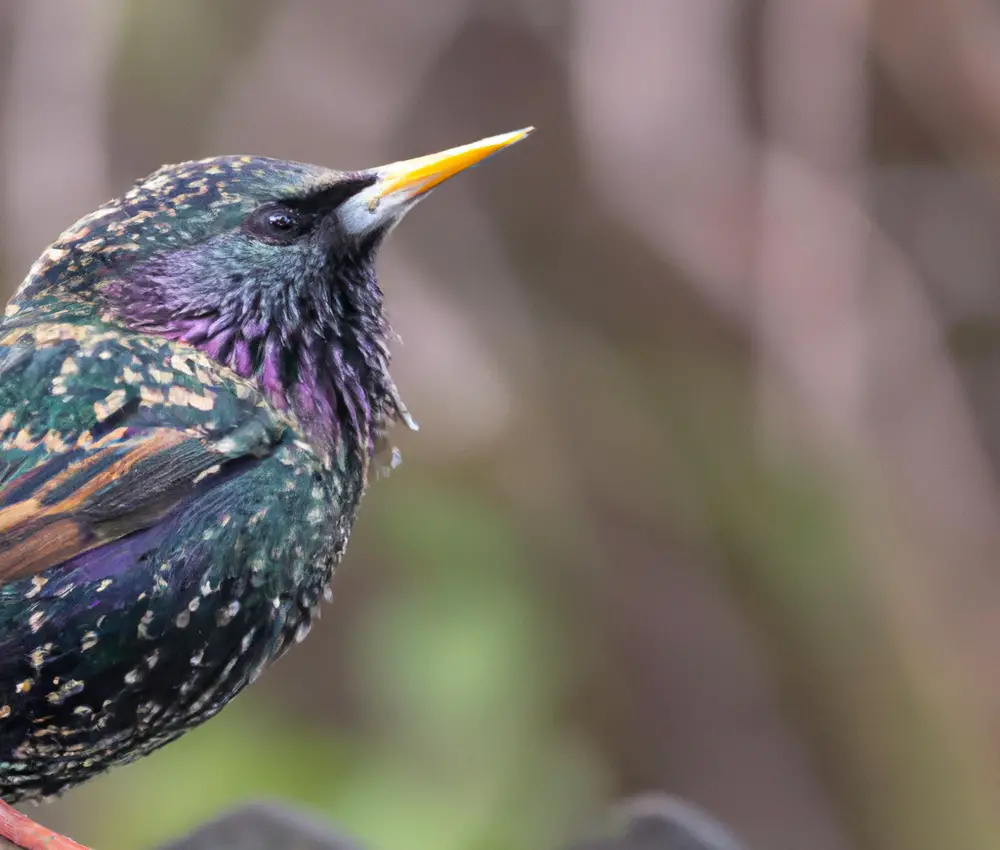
266 265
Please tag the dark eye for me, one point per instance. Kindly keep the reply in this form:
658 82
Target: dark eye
281 222
277 224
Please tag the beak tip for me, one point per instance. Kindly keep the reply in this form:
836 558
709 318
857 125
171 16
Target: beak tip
523 133
487 147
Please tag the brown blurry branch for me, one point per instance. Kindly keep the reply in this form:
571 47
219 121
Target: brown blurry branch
943 57
810 323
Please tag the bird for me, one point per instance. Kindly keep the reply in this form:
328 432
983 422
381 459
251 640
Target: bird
195 392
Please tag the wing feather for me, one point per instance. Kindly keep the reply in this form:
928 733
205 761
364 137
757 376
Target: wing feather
62 510
106 437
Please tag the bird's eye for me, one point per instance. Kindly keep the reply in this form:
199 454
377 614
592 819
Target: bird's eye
277 224
280 221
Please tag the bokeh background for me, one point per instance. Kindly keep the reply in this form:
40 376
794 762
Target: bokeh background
705 497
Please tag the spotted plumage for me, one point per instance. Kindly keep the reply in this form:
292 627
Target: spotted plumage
194 380
166 533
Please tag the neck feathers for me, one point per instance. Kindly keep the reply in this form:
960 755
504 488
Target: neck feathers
319 353
344 398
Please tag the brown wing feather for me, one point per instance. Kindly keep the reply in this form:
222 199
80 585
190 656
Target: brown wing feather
108 492
49 545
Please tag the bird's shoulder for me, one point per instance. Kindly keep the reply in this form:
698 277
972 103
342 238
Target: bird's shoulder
70 376
105 433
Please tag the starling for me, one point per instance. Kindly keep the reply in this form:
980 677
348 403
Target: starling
194 386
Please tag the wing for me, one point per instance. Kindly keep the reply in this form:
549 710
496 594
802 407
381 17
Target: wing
82 499
104 446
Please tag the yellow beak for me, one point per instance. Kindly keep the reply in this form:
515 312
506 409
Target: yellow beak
413 177
400 185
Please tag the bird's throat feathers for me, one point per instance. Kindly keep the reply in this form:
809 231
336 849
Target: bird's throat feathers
317 349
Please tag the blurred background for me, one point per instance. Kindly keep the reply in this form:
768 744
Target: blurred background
708 372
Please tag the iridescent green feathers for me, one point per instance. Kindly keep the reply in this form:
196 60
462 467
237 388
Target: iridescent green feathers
105 434
177 206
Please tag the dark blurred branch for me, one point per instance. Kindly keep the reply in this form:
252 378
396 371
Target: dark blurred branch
650 823
659 822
